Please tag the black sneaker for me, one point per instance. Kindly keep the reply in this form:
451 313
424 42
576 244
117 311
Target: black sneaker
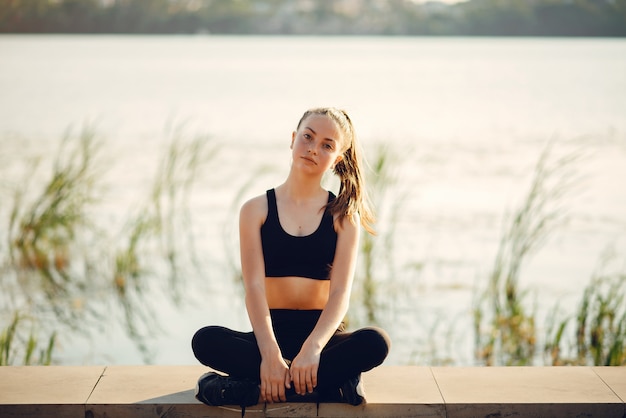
352 391
216 390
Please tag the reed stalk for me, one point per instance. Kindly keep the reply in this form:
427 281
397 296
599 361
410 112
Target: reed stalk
44 231
45 268
160 233
597 331
58 267
376 252
504 323
13 340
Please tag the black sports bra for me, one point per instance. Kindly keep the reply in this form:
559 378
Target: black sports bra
308 256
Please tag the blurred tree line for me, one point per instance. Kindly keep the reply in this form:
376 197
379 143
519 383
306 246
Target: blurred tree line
324 17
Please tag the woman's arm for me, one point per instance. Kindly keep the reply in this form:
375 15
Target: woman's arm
304 367
274 371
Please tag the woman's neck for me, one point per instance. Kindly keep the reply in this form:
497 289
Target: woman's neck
301 189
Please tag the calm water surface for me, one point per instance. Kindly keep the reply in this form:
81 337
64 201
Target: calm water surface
467 117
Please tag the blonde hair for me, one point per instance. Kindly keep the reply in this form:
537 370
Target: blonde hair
352 197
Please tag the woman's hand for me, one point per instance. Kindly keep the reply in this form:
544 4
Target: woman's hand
274 379
303 371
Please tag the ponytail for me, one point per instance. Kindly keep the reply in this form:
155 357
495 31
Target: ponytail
352 198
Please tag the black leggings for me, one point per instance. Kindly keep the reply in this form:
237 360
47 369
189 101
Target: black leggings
345 355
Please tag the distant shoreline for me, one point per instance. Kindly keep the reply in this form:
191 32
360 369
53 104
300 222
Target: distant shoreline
304 36
539 18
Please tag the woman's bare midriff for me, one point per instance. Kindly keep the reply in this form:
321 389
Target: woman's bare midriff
296 293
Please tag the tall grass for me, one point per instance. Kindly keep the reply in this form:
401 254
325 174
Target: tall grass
597 331
58 267
376 252
160 233
504 320
41 272
11 346
157 240
62 269
44 232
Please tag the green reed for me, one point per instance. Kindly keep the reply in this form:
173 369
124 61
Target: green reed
12 342
160 233
165 216
504 323
44 227
60 268
598 333
376 251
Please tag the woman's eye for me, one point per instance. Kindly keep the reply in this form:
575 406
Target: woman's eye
306 136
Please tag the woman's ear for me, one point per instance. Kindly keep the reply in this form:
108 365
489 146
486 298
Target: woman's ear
293 138
339 158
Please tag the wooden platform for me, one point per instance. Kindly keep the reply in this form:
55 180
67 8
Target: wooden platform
167 392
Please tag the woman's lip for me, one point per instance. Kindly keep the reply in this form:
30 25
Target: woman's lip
309 159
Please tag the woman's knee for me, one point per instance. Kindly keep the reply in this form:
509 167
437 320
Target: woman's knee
204 339
376 340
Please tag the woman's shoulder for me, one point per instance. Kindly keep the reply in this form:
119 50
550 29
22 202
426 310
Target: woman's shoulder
255 207
347 223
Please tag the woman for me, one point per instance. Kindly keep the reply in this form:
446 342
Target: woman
299 246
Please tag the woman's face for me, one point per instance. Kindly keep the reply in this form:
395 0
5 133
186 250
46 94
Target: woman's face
317 145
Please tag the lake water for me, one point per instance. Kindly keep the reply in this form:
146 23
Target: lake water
468 118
